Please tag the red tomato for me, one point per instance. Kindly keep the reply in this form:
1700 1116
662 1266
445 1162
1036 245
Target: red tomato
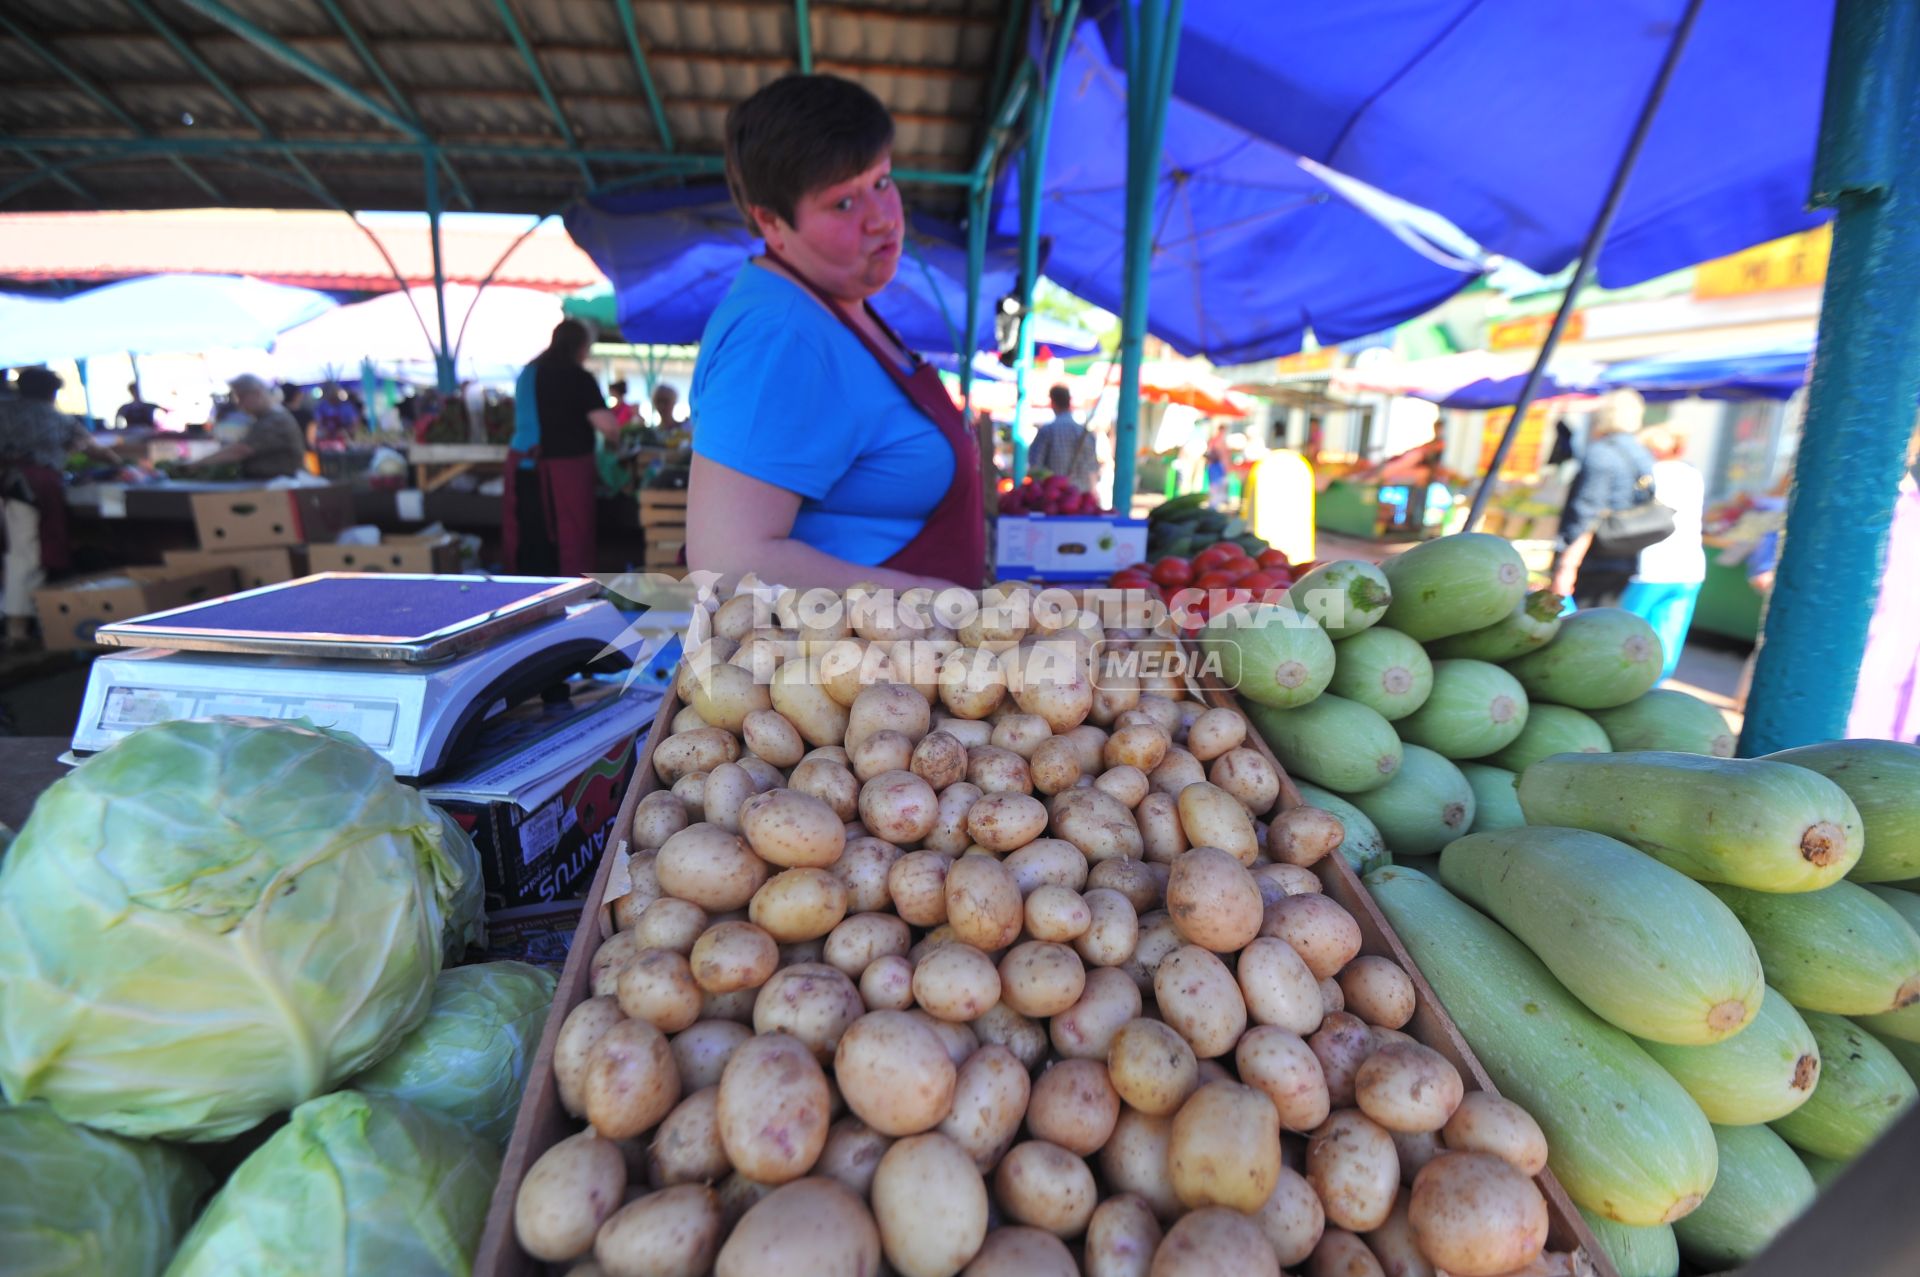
1274 558
1241 568
1173 572
1217 579
1215 555
1128 579
1140 567
1258 581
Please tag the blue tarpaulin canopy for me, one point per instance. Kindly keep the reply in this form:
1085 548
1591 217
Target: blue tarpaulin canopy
672 255
157 315
1762 374
1502 392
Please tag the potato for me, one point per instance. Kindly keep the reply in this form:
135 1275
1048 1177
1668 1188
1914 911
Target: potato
1475 1215
773 1109
771 737
1175 772
1115 692
733 955
738 616
658 817
1097 823
957 1037
1157 939
704 656
1278 988
736 1006
1138 745
1127 785
1006 821
956 982
949 833
1249 777
1152 1067
854 945
1161 837
1352 1166
899 807
1198 997
1003 1026
1225 1149
809 1001
989 1099
603 973
1054 765
1141 883
1213 900
998 771
1342 1044
811 1225
799 904
1341 1254
1393 1243
686 1147
1047 860
882 751
973 683
726 694
1485 1123
1304 835
1291 1218
939 759
1276 881
851 1155
1320 931
724 795
738 1195
1022 1252
1214 733
701 1051
710 867
1086 1029
917 884
567 1194
1415 1149
887 984
1052 685
1121 1237
643 887
631 1081
1211 817
1021 734
700 750
862 869
794 829
1288 1073
798 695
1408 1087
894 1073
657 986
1046 1186
1215 1242
1054 913
830 782
929 1243
1378 991
1135 1161
672 1233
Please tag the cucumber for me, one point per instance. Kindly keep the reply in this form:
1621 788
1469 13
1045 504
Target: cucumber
1908 1053
1425 806
1346 596
1550 730
1762 1187
1644 948
1363 847
1334 742
1903 1024
1883 779
1843 950
1765 1071
1454 585
1600 658
1384 670
1531 624
1270 654
1635 1252
1824 1170
1496 801
1767 826
1622 1136
1669 720
1475 709
1863 1090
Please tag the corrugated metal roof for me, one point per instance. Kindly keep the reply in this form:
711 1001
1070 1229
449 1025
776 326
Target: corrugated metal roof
80 74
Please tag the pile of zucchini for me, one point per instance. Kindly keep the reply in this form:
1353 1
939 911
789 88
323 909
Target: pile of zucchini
1184 526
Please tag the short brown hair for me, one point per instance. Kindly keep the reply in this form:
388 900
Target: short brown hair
799 134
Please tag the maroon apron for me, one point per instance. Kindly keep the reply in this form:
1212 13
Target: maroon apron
952 545
44 488
566 509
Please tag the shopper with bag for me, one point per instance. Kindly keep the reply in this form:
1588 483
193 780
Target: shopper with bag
1610 516
1671 571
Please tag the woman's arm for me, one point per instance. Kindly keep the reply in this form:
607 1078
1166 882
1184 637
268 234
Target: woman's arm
738 524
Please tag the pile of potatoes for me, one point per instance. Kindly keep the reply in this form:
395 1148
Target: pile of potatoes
979 968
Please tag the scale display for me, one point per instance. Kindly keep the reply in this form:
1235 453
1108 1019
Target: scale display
128 709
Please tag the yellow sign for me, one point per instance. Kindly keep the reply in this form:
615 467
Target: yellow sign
1525 459
1798 261
1532 331
1308 360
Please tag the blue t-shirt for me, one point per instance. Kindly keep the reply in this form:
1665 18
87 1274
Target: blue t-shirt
786 393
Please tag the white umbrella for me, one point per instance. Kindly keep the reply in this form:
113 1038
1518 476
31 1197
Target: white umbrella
158 315
494 332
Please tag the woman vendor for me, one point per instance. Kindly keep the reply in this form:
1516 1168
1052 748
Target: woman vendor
824 451
547 509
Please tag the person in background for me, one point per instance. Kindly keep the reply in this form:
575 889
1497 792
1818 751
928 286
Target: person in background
35 441
1563 449
298 401
623 412
334 415
1219 466
1614 473
1063 445
557 408
666 406
273 445
1666 583
136 413
1886 700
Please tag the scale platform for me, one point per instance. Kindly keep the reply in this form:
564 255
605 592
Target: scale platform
412 665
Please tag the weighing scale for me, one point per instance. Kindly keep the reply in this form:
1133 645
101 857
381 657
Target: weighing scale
413 665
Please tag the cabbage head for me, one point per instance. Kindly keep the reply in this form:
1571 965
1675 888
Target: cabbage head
80 1203
352 1186
469 1057
211 922
466 922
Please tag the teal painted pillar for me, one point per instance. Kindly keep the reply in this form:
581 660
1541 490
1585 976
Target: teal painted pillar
976 267
86 391
443 354
1153 44
1866 379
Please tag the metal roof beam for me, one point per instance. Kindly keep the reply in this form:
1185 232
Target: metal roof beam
43 169
803 36
379 73
639 54
532 60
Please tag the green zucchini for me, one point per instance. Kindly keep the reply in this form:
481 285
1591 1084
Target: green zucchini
1883 779
1271 655
1904 1023
1550 730
1644 948
1635 1252
1668 720
1384 670
1843 950
1332 741
1767 826
1601 657
1762 1187
1622 1136
1863 1090
1531 624
1345 596
1454 585
1908 1053
1425 806
1365 850
1824 1170
1475 709
1496 800
1765 1071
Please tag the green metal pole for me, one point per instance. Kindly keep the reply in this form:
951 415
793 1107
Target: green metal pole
443 354
976 267
1153 44
1866 378
803 35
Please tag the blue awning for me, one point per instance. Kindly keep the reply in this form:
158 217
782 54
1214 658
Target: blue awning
1774 373
1502 392
1508 116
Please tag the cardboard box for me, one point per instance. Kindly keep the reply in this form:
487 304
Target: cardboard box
71 611
254 568
663 506
258 517
411 554
1067 547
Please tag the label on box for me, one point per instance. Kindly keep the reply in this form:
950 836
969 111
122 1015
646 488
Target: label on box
540 833
1067 547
